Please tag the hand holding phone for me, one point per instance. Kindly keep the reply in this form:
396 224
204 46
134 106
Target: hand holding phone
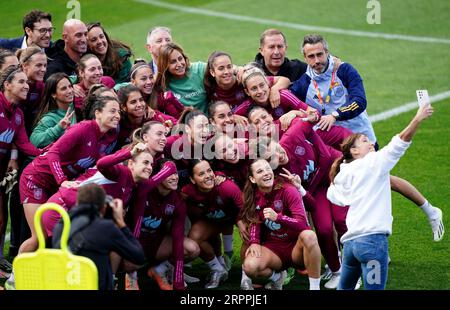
422 97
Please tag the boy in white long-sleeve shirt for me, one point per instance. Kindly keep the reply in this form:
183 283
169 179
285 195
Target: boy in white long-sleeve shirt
360 180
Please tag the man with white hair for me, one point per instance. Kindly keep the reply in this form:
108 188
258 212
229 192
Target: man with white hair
156 38
68 51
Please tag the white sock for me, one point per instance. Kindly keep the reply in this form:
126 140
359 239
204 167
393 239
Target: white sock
214 265
314 284
428 209
275 276
163 267
227 243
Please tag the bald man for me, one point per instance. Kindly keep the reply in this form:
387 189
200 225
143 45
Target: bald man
67 52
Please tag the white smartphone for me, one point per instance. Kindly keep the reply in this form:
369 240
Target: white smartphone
422 97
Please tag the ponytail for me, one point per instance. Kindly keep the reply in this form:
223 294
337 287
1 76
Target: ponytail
138 134
335 168
249 215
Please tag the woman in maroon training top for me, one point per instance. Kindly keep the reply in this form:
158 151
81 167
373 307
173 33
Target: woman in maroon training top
141 76
34 63
164 205
302 152
222 84
78 149
135 113
280 235
13 90
212 209
90 72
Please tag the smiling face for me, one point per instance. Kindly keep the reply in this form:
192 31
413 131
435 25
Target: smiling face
41 34
226 149
92 72
275 154
64 93
257 88
223 118
143 79
135 105
262 120
273 50
177 65
35 67
75 37
141 166
18 88
96 40
158 40
171 182
198 129
155 138
203 176
262 175
109 116
222 71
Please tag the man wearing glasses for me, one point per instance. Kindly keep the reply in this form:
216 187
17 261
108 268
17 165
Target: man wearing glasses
38 29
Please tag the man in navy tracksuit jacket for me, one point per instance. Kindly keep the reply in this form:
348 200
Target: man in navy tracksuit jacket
337 94
38 29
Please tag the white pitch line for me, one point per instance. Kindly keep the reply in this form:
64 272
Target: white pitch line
264 21
406 107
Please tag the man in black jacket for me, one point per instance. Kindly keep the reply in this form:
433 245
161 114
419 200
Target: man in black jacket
272 56
95 237
65 53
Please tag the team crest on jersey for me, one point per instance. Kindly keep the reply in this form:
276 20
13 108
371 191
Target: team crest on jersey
169 209
300 150
278 205
37 193
338 91
18 119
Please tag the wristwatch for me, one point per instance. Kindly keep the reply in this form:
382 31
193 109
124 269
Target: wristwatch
335 114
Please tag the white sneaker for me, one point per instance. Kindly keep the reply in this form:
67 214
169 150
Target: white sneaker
190 279
358 284
326 275
332 284
278 284
437 226
216 278
247 285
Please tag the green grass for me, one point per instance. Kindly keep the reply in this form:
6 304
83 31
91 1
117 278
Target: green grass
392 70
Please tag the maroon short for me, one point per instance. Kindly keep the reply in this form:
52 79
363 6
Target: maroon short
150 243
30 192
282 249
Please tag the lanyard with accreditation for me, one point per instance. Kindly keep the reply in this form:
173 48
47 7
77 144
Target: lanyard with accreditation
328 97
